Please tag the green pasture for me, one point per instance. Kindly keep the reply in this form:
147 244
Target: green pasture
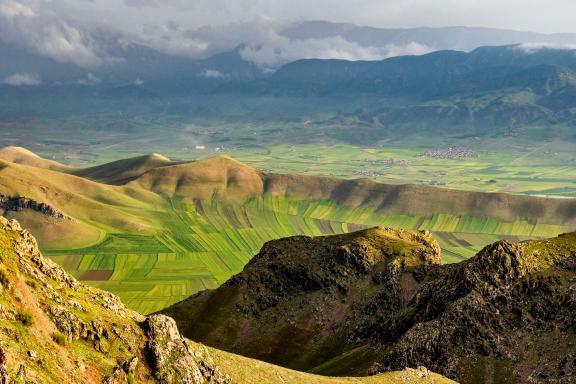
195 249
204 243
531 163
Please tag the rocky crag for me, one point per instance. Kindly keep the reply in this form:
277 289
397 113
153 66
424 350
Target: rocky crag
380 300
54 329
20 203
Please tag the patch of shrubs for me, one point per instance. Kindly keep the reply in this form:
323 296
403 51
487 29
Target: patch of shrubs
4 279
26 318
59 338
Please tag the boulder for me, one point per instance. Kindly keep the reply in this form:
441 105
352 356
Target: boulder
174 359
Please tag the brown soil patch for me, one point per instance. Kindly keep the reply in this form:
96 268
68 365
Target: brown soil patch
97 275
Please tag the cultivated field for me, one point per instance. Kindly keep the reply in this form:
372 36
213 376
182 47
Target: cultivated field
206 242
173 232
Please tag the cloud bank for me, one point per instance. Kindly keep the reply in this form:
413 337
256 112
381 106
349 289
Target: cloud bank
93 33
21 79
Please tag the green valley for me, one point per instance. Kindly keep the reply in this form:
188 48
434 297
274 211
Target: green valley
172 229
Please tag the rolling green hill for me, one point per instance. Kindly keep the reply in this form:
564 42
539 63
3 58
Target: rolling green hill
156 235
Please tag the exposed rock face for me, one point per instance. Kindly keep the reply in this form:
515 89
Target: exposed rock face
301 300
4 377
59 330
20 203
173 358
379 301
123 372
68 323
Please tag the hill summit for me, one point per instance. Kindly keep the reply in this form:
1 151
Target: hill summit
24 156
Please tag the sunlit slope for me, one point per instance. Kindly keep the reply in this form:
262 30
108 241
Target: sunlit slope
179 228
21 155
219 177
123 171
243 370
108 207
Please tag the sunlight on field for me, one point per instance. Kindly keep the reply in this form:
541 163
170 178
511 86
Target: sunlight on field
205 243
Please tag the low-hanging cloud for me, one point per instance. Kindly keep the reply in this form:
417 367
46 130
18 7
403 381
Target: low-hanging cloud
538 46
213 74
21 79
90 80
284 50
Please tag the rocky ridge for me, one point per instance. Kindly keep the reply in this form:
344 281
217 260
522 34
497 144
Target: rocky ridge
380 300
298 301
55 329
20 203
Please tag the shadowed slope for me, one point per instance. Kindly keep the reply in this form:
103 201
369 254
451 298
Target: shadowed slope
378 300
292 303
123 171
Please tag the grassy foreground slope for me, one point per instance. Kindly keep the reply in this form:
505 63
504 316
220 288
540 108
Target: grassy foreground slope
54 329
244 370
155 232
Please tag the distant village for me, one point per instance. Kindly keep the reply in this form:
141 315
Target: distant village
450 153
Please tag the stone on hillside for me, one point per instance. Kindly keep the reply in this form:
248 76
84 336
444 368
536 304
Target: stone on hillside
7 313
68 323
173 358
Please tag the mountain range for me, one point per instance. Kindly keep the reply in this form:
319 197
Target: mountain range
443 38
514 90
131 60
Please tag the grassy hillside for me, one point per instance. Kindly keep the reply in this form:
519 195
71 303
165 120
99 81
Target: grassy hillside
243 370
157 238
54 329
21 155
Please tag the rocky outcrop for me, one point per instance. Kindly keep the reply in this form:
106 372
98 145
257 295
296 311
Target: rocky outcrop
55 329
380 301
123 373
40 267
4 377
173 358
302 300
19 203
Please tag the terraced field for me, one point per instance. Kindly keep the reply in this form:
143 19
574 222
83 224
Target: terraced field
205 242
155 231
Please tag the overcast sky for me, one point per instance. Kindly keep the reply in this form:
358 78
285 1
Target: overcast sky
64 29
534 15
